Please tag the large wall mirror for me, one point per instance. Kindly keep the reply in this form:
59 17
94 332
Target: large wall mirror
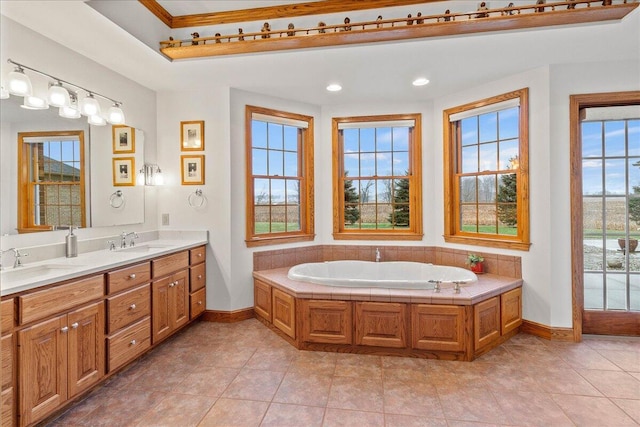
56 172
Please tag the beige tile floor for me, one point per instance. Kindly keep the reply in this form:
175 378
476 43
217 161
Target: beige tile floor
242 374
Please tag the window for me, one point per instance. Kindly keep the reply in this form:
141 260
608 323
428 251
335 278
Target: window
486 172
51 191
279 176
377 177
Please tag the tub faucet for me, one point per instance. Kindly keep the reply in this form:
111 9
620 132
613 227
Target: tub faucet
378 255
436 285
456 286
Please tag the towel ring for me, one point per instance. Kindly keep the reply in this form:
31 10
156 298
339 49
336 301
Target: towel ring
117 200
196 199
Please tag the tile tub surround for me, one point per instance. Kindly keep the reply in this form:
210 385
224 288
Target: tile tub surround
501 265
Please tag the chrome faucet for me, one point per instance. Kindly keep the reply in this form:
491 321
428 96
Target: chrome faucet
436 285
123 238
17 257
378 255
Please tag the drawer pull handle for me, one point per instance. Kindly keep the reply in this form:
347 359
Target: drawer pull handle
132 276
64 329
199 302
199 255
133 342
172 284
74 325
132 307
199 276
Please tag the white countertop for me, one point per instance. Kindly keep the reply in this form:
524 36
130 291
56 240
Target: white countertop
36 274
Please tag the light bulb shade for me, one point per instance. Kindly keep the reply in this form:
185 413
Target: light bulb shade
4 94
89 106
97 120
58 96
19 84
115 116
34 103
69 112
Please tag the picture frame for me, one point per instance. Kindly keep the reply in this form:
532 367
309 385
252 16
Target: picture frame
124 171
192 135
124 139
192 167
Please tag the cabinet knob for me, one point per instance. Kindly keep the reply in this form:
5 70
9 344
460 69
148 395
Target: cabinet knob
199 276
74 325
133 342
199 302
132 307
64 329
199 255
132 276
172 284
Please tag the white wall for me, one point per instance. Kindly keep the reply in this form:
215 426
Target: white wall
139 104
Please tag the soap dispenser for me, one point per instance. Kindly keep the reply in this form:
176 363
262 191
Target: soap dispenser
72 244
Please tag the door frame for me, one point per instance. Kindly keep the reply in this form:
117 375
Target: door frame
576 103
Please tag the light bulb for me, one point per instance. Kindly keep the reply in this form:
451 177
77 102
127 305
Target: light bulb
70 112
18 83
58 96
34 103
89 106
97 120
115 116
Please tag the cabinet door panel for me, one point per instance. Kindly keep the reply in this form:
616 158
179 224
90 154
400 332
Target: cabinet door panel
284 312
179 300
7 349
86 347
486 322
326 321
437 327
381 324
43 368
262 299
8 408
511 310
160 309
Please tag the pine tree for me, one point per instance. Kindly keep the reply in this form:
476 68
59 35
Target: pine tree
507 197
400 214
351 210
634 202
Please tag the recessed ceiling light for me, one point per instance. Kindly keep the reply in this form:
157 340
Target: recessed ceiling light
334 87
420 81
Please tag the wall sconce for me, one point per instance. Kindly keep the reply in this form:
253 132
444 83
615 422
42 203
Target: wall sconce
19 84
150 174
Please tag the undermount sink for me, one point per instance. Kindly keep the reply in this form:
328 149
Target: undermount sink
143 248
26 272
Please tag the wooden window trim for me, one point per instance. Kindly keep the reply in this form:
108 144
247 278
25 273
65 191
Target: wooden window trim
451 207
415 189
306 232
24 193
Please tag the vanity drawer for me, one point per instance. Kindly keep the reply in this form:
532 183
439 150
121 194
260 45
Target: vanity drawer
197 301
128 307
197 255
129 277
45 303
129 343
170 264
197 277
7 314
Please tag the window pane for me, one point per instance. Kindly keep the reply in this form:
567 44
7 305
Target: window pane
487 188
290 138
592 139
293 192
489 157
293 218
367 140
508 153
633 137
351 140
55 150
593 291
469 218
634 297
488 127
487 222
591 177
385 190
258 134
508 123
67 151
277 191
278 219
400 163
469 130
259 161
616 291
401 139
368 191
383 139
468 189
276 160
290 164
367 164
261 191
262 216
470 159
352 165
615 176
614 138
275 136
383 164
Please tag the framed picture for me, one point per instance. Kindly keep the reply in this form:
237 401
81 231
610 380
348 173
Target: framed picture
192 169
124 171
124 139
192 136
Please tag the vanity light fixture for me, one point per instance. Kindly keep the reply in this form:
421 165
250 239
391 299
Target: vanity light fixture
421 81
34 103
150 174
334 87
58 96
19 84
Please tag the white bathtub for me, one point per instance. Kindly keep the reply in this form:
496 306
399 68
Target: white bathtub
393 275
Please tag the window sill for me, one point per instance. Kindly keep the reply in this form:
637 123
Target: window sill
265 241
376 236
490 243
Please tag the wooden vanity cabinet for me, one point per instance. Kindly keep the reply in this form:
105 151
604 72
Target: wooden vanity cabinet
169 295
59 358
8 356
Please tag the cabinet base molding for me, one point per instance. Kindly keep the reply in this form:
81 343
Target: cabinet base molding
228 316
547 332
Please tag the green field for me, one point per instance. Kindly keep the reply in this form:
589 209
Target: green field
489 229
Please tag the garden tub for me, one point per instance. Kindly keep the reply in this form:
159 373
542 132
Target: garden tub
390 275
